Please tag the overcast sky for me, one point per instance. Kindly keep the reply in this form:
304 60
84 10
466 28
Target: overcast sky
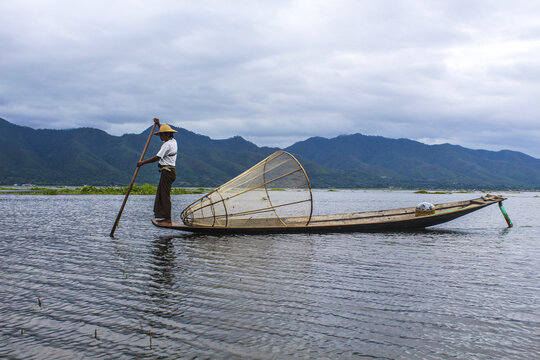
276 72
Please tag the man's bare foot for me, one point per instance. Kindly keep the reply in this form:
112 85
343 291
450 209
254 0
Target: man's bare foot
164 222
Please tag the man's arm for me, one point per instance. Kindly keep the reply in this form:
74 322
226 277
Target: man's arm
148 161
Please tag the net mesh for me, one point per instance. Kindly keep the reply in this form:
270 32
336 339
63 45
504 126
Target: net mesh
275 192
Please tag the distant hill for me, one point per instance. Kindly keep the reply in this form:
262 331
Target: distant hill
402 162
90 156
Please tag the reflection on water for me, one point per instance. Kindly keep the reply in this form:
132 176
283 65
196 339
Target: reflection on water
466 289
163 256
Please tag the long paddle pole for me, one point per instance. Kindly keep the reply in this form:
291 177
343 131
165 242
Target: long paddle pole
132 182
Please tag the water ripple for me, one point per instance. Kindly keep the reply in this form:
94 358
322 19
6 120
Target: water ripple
468 289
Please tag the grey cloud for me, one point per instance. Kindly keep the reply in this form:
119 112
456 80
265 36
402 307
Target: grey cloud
278 72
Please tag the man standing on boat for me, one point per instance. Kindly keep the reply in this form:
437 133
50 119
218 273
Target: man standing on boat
166 158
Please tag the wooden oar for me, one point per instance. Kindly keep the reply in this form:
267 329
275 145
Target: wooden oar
132 181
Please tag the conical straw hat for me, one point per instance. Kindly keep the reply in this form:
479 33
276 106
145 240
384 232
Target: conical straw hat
165 128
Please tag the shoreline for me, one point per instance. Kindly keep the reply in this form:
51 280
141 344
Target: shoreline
148 189
145 189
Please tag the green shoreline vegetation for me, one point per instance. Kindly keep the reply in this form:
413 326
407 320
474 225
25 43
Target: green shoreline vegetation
145 189
441 192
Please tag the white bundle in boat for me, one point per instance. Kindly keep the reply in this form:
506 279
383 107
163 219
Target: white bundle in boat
424 208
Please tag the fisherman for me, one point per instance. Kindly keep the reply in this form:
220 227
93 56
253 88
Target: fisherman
167 160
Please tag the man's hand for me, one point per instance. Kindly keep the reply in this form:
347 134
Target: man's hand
156 121
140 163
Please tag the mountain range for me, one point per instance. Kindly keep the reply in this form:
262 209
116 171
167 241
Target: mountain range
87 156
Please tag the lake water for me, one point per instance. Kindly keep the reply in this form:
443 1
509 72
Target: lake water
466 289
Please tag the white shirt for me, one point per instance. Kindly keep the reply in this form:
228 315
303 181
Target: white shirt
167 153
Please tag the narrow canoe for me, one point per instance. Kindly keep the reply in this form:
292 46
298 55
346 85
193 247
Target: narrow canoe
382 220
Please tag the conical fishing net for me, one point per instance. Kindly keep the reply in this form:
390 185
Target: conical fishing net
275 192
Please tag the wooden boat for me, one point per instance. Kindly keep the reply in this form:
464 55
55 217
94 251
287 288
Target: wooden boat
384 220
275 196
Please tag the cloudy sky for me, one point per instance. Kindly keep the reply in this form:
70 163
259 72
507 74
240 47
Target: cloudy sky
276 72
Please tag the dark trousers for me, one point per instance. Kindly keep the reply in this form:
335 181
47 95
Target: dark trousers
162 204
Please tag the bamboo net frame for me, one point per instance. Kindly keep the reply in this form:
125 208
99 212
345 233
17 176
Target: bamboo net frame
274 192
